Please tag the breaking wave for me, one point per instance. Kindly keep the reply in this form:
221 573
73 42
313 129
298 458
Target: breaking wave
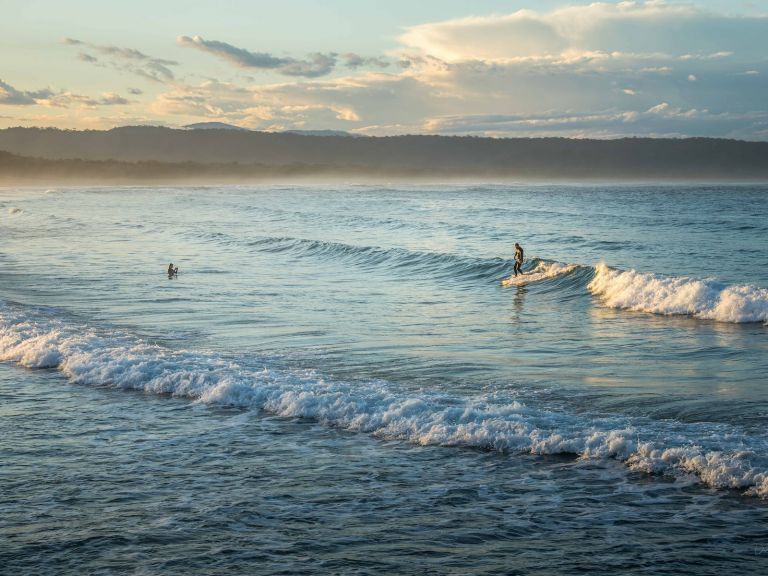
629 290
704 299
718 455
541 271
440 265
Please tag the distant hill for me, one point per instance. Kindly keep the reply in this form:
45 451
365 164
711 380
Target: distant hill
225 126
20 170
318 132
213 126
437 157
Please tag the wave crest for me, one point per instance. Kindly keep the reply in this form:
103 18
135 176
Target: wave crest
705 299
542 270
110 358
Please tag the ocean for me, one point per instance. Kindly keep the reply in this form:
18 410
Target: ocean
337 383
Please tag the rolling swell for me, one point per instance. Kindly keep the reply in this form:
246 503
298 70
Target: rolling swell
718 455
436 264
439 265
626 290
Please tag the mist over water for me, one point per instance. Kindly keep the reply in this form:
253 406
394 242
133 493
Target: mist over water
356 339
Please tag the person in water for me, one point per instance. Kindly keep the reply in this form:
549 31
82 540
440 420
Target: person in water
518 259
172 271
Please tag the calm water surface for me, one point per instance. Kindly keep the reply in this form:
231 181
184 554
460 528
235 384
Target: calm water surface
337 383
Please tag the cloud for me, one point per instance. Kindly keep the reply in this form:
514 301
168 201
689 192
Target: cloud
314 66
582 60
69 99
265 108
135 91
663 122
209 99
11 96
482 99
354 61
602 70
658 108
654 27
527 124
126 60
112 99
84 118
656 70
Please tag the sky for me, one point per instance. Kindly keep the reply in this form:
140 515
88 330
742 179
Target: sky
514 68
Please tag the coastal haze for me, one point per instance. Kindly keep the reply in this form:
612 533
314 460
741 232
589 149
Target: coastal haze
344 376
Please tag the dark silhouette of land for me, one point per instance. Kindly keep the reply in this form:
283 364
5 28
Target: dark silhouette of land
146 154
20 170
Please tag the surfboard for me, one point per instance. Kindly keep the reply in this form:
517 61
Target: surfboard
520 280
530 277
542 271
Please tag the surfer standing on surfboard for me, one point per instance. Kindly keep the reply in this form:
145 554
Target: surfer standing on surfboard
518 259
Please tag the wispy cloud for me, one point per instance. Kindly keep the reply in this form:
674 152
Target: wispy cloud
313 66
250 107
355 61
69 99
659 121
125 60
11 96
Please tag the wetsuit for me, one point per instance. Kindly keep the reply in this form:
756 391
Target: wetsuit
518 260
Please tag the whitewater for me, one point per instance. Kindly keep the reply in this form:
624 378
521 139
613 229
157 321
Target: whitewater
343 367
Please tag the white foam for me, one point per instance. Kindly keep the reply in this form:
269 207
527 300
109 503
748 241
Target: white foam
714 468
542 271
109 358
705 299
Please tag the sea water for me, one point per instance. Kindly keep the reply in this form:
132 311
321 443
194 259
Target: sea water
336 382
